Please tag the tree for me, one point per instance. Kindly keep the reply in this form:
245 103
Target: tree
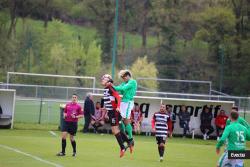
143 68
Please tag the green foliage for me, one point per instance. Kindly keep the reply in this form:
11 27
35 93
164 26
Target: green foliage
216 23
143 68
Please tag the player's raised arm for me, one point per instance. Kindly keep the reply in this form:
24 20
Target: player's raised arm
124 87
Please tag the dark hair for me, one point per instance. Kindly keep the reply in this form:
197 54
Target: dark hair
235 108
74 94
98 102
136 104
234 115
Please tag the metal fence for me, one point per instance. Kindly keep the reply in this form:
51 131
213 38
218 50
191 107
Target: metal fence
31 99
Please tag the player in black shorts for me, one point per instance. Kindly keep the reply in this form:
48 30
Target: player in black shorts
160 128
112 102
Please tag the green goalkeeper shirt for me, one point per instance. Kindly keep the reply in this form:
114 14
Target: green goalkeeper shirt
237 136
127 89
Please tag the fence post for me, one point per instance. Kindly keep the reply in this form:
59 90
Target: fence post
40 112
67 93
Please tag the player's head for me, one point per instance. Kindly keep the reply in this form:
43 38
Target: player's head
125 75
235 109
106 78
97 105
234 115
163 108
74 97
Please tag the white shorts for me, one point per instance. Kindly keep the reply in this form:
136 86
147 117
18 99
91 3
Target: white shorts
126 108
225 162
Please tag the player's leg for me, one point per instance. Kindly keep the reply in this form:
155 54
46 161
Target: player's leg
63 144
161 146
126 108
63 141
73 143
72 132
224 161
123 133
114 121
237 163
118 136
127 121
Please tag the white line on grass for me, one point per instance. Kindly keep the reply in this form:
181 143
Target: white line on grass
52 133
29 155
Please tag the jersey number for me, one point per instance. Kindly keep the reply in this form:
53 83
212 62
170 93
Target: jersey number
240 136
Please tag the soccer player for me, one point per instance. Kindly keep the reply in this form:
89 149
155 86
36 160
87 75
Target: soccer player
72 112
236 134
128 90
160 128
112 102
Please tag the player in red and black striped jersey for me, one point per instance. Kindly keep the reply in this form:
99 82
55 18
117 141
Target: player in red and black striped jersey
112 102
160 128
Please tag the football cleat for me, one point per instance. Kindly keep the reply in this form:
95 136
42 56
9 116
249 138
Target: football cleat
131 146
122 153
60 154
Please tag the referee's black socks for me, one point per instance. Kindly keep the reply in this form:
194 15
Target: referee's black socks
63 145
73 143
161 150
119 140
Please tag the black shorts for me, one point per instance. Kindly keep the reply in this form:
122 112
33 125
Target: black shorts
70 127
114 118
161 140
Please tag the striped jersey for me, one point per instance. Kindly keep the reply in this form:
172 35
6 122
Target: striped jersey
111 99
160 122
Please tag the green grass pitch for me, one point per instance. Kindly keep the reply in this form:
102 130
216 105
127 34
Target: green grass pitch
95 150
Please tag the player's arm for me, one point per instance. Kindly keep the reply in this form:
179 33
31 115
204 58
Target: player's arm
223 138
244 123
153 123
124 87
117 97
80 113
247 135
65 111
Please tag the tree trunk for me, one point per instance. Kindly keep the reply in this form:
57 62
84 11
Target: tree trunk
46 14
13 18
